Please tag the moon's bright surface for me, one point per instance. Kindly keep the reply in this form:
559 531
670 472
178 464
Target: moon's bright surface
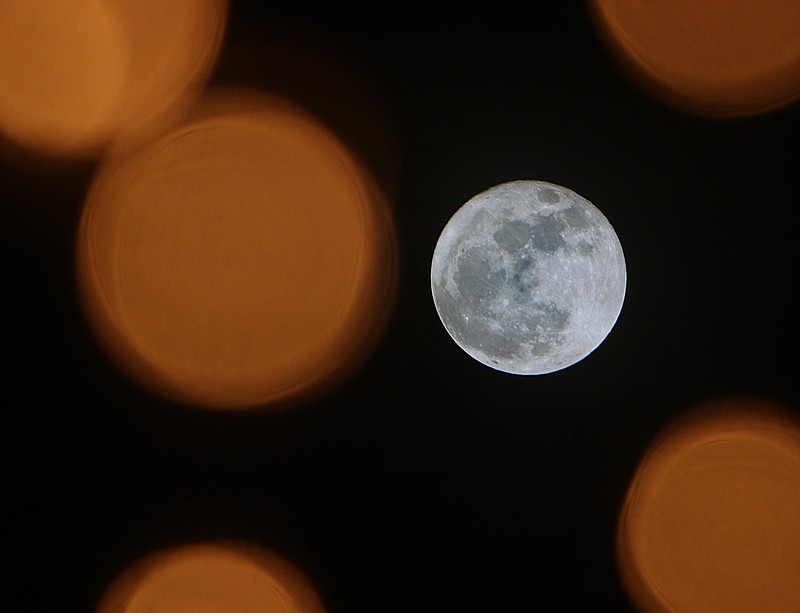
528 277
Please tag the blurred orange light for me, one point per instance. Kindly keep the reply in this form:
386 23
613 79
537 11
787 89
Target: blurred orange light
78 75
211 579
711 521
245 259
717 57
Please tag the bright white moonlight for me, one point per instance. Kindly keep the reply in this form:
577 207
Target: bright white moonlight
528 277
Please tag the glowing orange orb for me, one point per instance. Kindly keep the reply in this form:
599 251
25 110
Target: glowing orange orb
79 75
211 579
244 259
717 57
711 521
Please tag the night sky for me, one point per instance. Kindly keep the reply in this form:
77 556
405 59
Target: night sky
426 482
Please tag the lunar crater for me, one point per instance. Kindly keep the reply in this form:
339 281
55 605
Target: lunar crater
528 277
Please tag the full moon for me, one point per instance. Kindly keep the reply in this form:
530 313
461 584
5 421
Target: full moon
528 277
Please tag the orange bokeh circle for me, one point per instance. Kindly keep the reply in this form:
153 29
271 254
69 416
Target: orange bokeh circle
211 578
722 58
78 76
711 520
245 259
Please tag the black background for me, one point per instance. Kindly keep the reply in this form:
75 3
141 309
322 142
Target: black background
427 482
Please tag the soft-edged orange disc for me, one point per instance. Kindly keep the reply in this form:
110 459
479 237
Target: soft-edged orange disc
716 57
79 75
711 521
243 260
211 579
